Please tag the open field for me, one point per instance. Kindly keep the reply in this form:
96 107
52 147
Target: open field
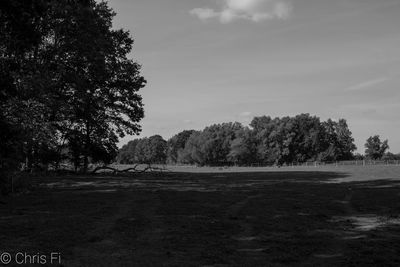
212 217
348 173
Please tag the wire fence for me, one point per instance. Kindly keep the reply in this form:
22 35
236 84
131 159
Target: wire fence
334 163
294 164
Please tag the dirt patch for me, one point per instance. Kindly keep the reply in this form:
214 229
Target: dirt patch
368 222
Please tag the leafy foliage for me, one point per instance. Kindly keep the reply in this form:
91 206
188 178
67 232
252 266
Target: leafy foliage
67 85
375 148
267 141
152 150
176 146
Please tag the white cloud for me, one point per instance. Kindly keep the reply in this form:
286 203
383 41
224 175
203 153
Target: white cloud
204 13
245 114
253 10
366 84
282 10
245 117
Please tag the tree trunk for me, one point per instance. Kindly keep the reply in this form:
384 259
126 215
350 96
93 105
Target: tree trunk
86 150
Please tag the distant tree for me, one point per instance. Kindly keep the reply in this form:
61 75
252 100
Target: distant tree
243 147
270 141
338 143
142 153
157 149
391 156
210 146
193 152
279 141
301 138
152 150
217 142
345 140
288 139
126 155
176 145
375 148
358 156
264 129
307 133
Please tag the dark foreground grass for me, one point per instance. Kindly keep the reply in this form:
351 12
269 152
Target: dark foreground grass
207 219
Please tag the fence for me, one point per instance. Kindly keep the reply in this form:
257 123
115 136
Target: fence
355 163
294 164
334 163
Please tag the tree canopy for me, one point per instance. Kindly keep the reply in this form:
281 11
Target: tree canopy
152 150
266 141
68 86
176 145
375 148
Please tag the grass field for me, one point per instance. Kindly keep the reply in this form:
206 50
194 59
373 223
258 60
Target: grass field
211 217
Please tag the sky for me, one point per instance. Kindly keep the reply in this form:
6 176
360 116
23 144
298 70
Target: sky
214 61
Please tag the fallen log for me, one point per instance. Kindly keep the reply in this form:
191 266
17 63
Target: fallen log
129 170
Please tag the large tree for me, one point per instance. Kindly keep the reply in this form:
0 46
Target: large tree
301 138
176 145
278 141
375 148
337 141
100 81
126 154
287 139
24 129
152 150
243 147
67 70
194 153
212 145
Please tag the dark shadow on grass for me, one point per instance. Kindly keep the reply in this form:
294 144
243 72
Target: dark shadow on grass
273 218
180 181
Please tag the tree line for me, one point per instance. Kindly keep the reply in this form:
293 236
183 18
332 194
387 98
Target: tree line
68 89
266 141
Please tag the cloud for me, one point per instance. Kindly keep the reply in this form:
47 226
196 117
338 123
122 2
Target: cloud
244 117
366 84
253 10
245 114
204 13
